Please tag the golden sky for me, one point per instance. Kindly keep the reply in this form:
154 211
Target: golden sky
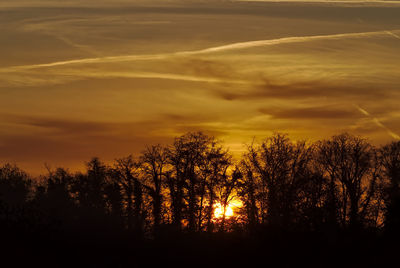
103 78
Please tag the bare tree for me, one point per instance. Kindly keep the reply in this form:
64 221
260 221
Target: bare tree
226 190
247 190
348 161
280 168
186 156
126 172
390 157
213 169
153 163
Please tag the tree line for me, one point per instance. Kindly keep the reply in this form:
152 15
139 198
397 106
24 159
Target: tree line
340 183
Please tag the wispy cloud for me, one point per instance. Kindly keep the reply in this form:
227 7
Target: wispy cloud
289 40
154 75
309 113
306 89
229 47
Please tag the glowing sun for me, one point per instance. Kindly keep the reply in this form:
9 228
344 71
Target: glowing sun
219 211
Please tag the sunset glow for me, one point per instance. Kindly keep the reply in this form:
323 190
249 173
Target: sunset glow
107 78
232 208
219 211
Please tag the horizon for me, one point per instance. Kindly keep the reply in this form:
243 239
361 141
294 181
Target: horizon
47 168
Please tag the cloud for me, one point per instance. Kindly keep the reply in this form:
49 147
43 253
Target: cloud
162 56
306 90
66 128
65 76
107 81
318 112
288 40
58 140
201 67
154 75
60 125
35 140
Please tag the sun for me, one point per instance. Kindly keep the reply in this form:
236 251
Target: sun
219 211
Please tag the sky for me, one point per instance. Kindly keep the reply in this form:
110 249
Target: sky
106 78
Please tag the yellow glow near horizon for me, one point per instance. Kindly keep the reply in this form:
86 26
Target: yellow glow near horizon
219 211
229 211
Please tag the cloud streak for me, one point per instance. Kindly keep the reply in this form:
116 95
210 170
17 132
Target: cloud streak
309 113
154 75
289 40
308 89
224 48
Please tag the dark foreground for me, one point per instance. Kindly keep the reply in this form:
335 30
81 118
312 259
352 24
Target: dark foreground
274 249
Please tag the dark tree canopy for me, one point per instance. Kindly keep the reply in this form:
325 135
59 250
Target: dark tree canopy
342 185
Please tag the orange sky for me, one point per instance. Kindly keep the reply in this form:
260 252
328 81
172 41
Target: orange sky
80 80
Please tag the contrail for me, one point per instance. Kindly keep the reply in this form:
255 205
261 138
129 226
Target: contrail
229 47
287 40
85 61
167 76
393 34
378 122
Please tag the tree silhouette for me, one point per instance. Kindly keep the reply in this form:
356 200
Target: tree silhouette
53 197
14 186
279 169
348 162
126 173
15 189
310 202
390 157
214 171
185 157
248 193
153 162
